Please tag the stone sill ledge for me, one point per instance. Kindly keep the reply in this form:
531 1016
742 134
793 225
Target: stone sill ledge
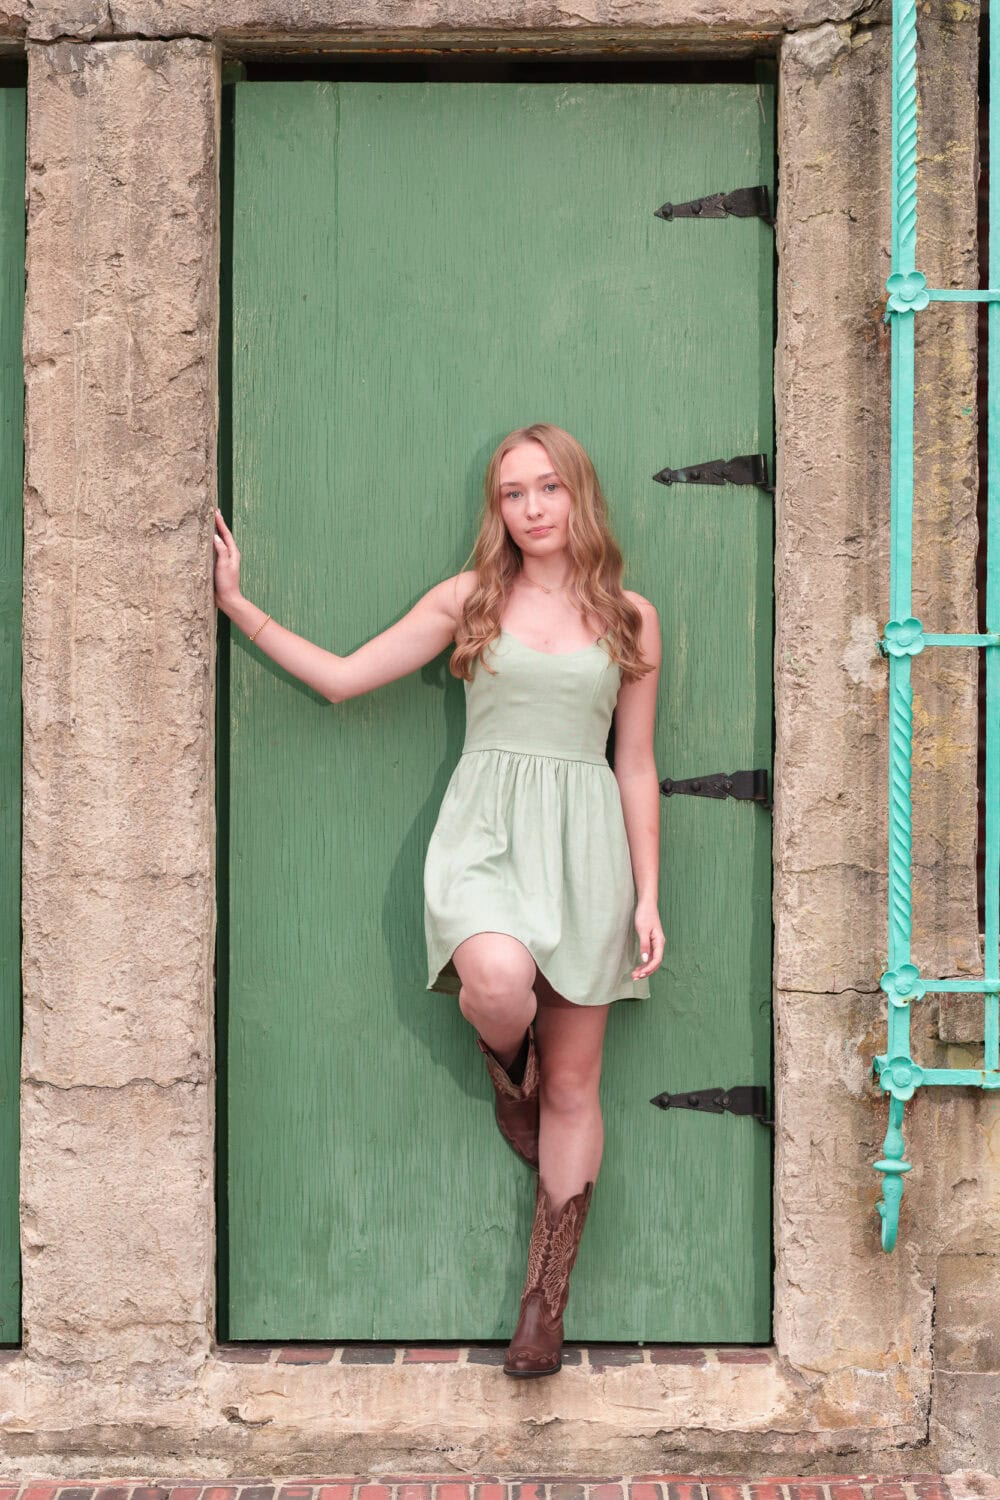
285 1409
377 1399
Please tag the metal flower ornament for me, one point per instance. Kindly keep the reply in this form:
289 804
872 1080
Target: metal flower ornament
903 637
900 1077
902 985
907 291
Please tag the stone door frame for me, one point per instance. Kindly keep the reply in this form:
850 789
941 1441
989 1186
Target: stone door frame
119 1367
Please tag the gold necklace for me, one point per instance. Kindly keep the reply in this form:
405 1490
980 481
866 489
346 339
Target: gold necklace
555 589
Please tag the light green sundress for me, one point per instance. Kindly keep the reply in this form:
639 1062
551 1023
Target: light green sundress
530 837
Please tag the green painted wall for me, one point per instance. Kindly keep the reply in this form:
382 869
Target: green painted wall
416 268
12 145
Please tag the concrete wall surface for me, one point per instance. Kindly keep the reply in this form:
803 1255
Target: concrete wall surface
878 1361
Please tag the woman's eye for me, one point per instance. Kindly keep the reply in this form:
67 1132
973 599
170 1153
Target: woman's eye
551 485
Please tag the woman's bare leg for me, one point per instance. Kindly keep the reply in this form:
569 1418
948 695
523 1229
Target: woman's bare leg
570 1042
497 998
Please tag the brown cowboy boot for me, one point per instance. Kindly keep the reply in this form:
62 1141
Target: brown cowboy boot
517 1103
536 1348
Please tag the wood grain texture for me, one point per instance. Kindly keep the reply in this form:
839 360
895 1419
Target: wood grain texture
417 269
12 138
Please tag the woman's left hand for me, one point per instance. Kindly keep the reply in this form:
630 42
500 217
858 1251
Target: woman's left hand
651 940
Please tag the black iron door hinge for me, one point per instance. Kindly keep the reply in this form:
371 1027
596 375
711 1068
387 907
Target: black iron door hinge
745 468
746 1099
742 786
741 203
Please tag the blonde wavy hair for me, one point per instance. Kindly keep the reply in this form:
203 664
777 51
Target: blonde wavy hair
596 559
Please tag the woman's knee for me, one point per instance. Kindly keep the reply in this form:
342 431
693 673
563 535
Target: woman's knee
570 1088
495 1002
496 980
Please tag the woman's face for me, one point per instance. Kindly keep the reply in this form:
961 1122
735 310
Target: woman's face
534 502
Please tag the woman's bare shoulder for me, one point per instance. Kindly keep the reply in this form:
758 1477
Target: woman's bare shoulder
643 605
448 598
463 586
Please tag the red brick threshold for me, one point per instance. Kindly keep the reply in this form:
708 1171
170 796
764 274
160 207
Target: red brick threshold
591 1357
489 1487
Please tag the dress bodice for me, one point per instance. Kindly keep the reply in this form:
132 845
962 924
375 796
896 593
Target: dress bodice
542 702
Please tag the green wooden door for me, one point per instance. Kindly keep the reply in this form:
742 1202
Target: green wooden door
415 269
12 123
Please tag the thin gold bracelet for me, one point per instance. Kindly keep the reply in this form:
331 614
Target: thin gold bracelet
260 627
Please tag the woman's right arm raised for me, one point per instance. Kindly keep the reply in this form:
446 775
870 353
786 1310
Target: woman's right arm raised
422 633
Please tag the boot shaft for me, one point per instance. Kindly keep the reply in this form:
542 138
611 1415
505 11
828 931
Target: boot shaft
516 1103
552 1250
501 1079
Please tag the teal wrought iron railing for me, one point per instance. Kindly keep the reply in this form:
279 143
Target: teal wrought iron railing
905 637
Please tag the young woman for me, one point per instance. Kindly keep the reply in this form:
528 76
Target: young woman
541 876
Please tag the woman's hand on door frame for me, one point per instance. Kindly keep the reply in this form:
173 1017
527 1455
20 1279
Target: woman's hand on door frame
227 565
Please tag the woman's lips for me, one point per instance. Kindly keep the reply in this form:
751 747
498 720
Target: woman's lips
538 530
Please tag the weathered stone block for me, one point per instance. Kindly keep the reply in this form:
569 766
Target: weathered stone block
967 1313
965 1419
118 1224
839 1302
958 1142
123 968
961 1018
